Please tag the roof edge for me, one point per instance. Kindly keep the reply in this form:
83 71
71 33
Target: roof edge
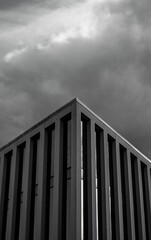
119 135
74 100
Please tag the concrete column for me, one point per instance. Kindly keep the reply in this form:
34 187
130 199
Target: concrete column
106 212
40 164
75 173
93 180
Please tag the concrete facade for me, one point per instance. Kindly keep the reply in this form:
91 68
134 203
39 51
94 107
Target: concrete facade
72 177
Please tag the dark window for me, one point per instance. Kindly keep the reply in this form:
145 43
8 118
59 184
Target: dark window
146 199
112 196
99 157
34 184
19 182
84 177
125 192
5 199
49 144
65 163
136 197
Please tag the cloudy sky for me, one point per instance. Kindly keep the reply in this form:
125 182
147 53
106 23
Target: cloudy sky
97 50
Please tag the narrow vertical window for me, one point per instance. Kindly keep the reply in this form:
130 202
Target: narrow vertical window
146 199
97 184
19 173
50 137
112 162
82 209
136 198
21 156
84 183
124 189
66 175
98 159
68 202
6 183
34 184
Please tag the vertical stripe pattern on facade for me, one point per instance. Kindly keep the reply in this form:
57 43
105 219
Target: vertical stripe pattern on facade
71 176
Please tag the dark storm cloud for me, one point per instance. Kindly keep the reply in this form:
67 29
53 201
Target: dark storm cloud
98 51
6 4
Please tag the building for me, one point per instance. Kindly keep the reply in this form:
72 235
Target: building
72 177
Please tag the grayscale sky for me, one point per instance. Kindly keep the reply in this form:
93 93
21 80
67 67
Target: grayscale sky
96 50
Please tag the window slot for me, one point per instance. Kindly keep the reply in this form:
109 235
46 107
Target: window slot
99 158
147 212
5 201
136 197
125 193
34 184
112 197
65 163
49 142
84 180
19 182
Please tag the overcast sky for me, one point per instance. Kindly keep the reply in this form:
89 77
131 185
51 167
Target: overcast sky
96 50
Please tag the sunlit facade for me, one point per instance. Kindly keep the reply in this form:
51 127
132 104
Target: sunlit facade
72 177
